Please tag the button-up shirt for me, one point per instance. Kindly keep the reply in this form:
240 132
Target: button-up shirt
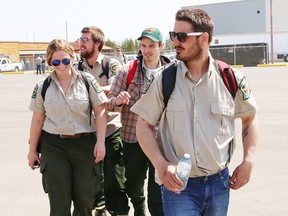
199 118
67 114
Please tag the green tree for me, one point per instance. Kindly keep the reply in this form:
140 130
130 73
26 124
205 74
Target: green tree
111 44
168 44
128 45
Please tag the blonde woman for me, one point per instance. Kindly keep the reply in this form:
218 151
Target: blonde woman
70 149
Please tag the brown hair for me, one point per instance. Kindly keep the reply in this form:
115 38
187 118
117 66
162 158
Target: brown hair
58 44
97 35
200 21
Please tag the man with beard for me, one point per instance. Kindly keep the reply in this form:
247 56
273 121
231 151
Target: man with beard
200 120
95 63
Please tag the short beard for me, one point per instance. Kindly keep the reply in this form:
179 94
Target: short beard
197 53
86 54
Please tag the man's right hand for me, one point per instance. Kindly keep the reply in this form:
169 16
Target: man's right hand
122 98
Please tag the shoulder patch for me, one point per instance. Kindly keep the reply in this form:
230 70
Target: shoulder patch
244 88
96 86
114 67
34 93
148 84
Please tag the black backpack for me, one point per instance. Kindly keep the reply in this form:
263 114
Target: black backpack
47 82
169 78
104 63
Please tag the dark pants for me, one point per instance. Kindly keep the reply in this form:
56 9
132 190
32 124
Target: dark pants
136 165
43 68
38 69
69 173
116 200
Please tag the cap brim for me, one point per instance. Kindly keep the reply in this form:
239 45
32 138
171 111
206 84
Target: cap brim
152 38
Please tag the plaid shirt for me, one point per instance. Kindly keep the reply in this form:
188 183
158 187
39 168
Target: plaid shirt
135 89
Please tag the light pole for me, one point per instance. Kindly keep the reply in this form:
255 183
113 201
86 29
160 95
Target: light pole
66 31
271 33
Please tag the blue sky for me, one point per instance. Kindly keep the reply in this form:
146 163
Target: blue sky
42 21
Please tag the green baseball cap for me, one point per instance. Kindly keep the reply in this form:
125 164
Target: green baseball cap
152 33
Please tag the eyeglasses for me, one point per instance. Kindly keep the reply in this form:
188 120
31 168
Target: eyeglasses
84 39
182 36
65 61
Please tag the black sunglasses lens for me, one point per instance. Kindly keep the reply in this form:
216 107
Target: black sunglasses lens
172 35
56 62
181 36
66 61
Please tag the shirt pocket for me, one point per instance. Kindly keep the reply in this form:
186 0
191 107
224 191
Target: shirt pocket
79 102
223 116
52 105
176 115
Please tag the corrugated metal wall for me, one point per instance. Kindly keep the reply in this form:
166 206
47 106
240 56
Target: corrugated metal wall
237 17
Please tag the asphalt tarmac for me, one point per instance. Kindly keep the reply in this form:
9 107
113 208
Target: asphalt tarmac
21 191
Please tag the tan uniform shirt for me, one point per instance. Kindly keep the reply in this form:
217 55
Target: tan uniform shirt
68 114
199 118
114 119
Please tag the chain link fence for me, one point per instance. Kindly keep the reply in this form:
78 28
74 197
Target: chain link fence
242 54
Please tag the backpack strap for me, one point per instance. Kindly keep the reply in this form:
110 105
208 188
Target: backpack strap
80 68
168 82
105 66
84 77
230 82
131 72
124 58
45 86
228 77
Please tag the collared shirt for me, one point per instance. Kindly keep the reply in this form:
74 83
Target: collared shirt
96 70
68 114
135 89
199 118
113 118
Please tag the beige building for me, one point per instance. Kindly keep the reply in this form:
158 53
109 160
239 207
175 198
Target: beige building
20 51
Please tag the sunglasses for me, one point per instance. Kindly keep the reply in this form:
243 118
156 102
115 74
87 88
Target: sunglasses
182 36
65 61
84 39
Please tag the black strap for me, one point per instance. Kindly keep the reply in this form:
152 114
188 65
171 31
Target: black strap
45 86
124 58
168 82
105 66
84 77
80 65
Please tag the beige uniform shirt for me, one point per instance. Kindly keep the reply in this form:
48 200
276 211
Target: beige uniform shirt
68 114
114 119
199 118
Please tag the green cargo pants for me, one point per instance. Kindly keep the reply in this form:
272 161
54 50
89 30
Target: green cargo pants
69 174
116 200
136 166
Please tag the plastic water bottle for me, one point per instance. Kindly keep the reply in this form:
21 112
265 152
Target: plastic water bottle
184 169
